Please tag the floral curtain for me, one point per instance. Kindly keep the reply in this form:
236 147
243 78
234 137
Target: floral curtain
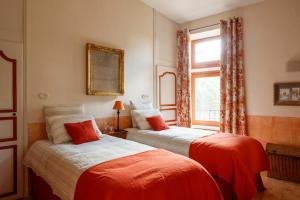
233 105
183 89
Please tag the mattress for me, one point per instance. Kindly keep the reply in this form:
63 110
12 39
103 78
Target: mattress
175 139
61 165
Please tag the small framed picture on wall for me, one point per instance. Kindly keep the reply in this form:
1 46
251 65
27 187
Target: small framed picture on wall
287 94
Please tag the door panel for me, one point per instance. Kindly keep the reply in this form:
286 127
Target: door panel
169 114
7 83
11 120
166 93
8 129
6 95
8 170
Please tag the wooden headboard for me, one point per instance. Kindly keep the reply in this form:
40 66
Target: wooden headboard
37 131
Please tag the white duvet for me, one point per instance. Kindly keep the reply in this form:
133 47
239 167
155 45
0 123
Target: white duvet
60 165
175 139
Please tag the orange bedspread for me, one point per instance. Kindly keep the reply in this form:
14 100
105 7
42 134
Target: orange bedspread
235 159
151 175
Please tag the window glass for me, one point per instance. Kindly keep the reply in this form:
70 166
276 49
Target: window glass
207 98
207 51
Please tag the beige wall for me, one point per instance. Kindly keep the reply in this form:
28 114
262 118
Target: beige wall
57 32
165 41
11 20
164 45
271 33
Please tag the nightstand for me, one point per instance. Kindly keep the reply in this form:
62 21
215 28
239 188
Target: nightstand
119 134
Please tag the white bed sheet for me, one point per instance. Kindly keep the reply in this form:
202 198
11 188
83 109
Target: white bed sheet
61 165
175 139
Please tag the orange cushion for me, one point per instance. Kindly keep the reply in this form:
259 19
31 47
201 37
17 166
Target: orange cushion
81 132
157 123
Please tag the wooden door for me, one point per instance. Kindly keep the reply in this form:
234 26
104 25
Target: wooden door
11 121
166 93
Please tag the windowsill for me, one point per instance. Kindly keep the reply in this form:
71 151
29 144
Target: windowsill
210 128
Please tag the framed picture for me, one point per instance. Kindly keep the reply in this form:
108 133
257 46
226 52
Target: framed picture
105 70
287 94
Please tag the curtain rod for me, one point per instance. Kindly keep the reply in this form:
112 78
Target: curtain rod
204 27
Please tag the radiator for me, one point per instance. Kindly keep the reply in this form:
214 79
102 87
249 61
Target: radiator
284 162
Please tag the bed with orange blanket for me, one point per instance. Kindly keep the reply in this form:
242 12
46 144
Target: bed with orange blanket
233 160
113 168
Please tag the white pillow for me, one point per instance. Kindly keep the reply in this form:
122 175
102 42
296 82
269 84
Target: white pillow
139 106
59 110
57 130
141 115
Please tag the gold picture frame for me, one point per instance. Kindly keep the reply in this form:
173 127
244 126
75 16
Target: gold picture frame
287 94
105 70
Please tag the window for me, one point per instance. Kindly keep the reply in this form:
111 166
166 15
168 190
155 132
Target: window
206 98
206 52
206 80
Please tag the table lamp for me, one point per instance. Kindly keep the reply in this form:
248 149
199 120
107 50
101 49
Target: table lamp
118 106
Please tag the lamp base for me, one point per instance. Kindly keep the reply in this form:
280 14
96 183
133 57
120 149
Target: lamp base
118 122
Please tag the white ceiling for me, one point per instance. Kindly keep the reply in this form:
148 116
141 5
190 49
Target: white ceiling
182 11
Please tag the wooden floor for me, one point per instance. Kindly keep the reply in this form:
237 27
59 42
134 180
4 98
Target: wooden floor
278 190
